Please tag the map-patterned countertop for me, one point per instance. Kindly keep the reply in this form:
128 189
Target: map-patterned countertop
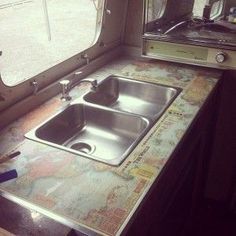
93 195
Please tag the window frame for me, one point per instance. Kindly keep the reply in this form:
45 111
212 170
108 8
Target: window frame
45 15
109 35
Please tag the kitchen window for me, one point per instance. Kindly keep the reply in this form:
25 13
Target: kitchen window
20 94
155 9
216 7
39 34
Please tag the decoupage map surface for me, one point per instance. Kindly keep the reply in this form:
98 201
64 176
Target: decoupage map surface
92 194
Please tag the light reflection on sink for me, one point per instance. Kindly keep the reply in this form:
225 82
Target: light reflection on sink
142 98
100 134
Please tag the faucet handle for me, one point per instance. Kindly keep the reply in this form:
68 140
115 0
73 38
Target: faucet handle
65 85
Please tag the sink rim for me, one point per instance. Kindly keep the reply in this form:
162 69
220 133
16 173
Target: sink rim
155 118
31 135
129 79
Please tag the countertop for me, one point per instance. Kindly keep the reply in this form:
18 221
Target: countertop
94 197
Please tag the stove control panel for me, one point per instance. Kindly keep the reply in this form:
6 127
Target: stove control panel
189 54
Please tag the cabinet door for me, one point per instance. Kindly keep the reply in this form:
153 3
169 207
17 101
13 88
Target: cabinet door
222 174
179 189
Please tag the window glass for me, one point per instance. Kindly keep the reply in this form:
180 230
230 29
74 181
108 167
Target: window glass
198 7
155 9
38 34
216 7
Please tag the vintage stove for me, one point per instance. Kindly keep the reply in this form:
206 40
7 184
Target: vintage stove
174 33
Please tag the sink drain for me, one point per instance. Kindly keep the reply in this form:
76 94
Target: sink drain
83 147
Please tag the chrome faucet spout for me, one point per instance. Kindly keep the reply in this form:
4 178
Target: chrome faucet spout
93 83
67 86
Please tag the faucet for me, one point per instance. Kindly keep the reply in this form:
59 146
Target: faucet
67 85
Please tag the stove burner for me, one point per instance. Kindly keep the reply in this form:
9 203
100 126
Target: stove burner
196 31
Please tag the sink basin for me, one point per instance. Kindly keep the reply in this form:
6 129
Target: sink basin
142 98
94 132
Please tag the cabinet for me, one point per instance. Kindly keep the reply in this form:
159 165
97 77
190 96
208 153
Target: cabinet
221 179
178 192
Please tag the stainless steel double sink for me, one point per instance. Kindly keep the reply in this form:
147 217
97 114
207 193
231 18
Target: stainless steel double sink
106 124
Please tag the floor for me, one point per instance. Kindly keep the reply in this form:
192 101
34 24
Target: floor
30 45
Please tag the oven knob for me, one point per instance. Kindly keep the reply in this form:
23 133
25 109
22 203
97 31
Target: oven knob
220 57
